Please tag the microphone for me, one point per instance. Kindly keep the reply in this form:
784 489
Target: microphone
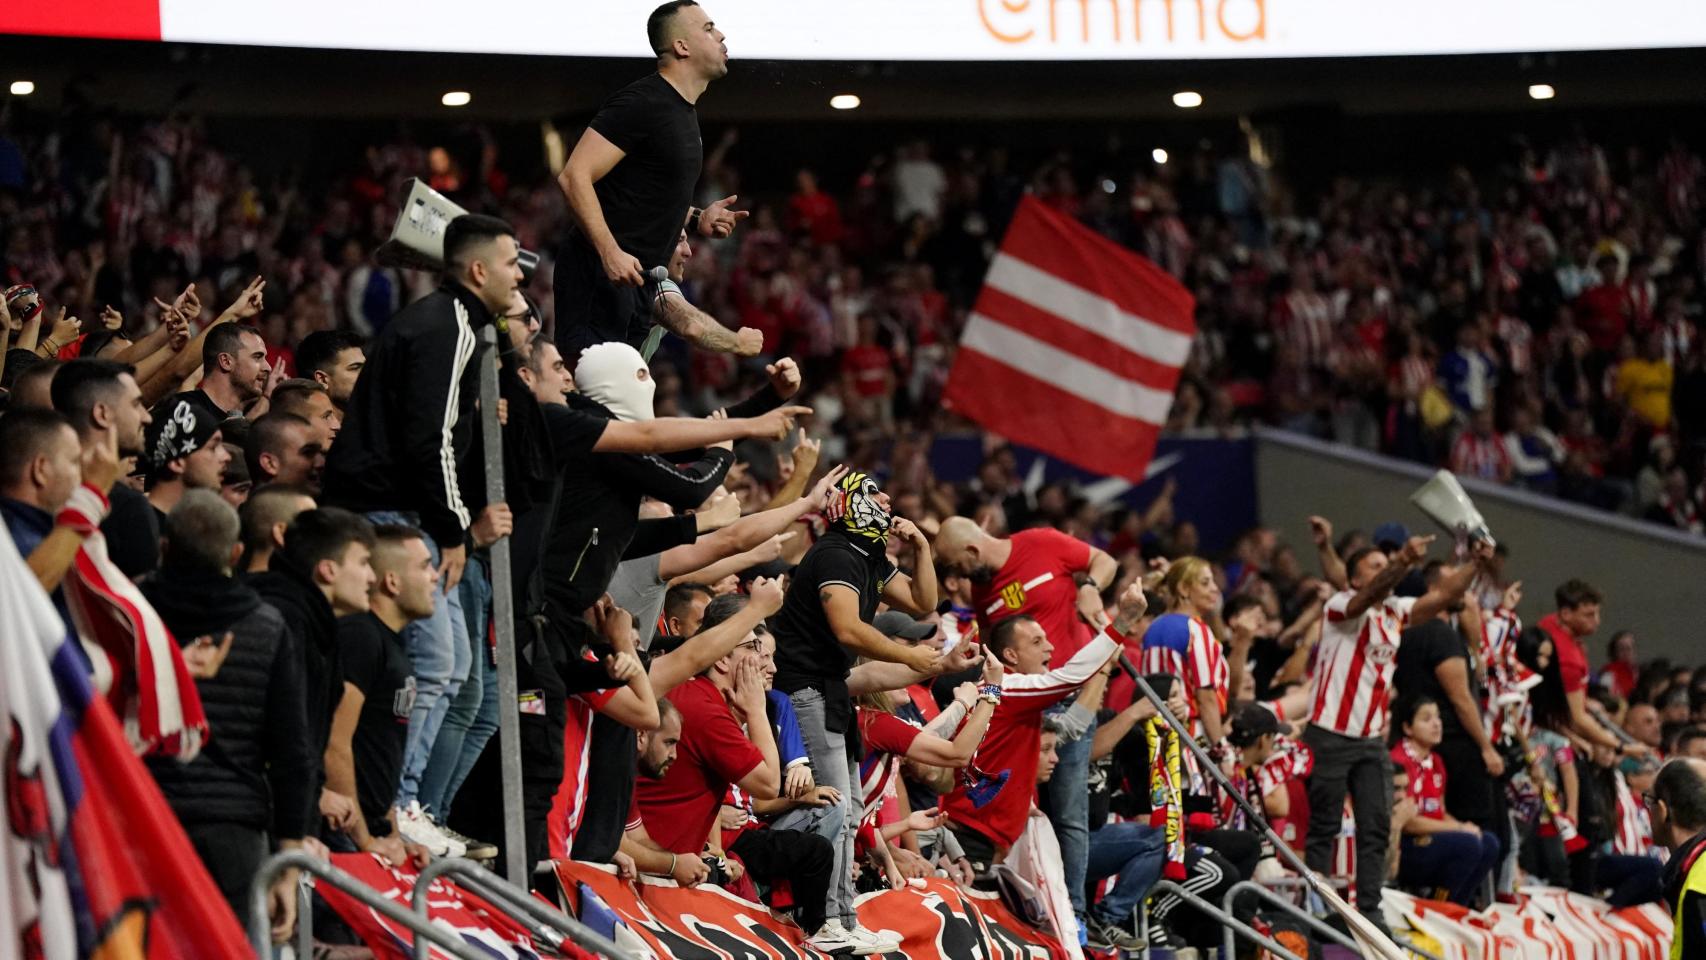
658 275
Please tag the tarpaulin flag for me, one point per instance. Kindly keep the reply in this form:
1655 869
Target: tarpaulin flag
93 865
1074 345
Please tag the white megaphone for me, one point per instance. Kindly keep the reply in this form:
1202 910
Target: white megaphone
1443 500
417 239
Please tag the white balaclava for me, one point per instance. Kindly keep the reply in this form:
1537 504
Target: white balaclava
615 375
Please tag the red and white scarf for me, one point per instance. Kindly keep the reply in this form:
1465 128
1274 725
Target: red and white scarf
133 657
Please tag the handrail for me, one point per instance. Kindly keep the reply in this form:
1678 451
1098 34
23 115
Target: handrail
1314 922
495 889
260 932
1233 924
1243 887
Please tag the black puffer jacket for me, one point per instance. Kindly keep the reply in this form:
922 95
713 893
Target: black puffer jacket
256 767
314 629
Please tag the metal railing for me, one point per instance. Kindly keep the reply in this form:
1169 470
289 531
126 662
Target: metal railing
546 925
1320 926
260 931
1234 926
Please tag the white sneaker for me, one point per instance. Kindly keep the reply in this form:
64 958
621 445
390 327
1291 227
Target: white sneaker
417 827
868 942
832 939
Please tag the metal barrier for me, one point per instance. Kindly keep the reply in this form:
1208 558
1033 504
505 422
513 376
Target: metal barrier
1250 887
1234 926
549 926
260 931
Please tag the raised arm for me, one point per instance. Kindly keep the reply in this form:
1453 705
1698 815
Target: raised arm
699 328
667 434
1453 585
1380 585
916 594
706 647
744 534
1332 567
841 608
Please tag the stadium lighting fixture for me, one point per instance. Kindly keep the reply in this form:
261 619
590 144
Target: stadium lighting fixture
1187 99
845 101
23 88
1158 155
456 98
1541 91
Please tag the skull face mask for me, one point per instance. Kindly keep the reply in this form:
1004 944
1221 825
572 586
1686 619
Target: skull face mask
865 518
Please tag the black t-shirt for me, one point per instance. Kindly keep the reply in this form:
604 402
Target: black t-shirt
645 197
807 653
132 532
1266 658
1422 648
806 649
377 664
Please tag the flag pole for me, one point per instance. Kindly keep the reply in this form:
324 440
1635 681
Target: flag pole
503 622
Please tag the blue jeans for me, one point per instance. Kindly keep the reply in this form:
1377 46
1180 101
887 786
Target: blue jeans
1453 861
439 781
832 768
1135 854
1066 800
438 650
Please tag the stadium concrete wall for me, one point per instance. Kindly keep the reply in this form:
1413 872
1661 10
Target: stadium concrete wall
1654 579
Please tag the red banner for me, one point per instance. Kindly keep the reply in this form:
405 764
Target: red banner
937 921
452 909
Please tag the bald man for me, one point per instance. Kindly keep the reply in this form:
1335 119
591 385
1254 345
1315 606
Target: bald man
1057 581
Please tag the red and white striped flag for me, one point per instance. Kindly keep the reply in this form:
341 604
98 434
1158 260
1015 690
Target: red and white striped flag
1074 345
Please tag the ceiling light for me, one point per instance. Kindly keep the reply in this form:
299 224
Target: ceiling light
23 88
1541 91
456 98
844 101
1187 99
1158 155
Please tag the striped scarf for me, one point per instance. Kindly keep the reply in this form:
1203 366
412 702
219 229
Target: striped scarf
133 658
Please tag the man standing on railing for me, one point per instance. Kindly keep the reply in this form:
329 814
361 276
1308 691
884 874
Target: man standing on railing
1350 702
629 183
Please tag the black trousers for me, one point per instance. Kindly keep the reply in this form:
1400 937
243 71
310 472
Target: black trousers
1362 768
1208 875
591 309
803 859
231 853
610 777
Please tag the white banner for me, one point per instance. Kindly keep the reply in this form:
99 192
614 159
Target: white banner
953 29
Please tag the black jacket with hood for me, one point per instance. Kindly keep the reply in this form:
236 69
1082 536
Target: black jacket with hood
256 768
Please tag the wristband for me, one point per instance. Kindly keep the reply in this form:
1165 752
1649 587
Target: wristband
693 214
989 693
83 511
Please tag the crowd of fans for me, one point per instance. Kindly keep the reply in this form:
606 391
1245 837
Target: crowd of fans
269 429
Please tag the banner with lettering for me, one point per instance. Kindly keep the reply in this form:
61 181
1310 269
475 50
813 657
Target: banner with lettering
935 921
